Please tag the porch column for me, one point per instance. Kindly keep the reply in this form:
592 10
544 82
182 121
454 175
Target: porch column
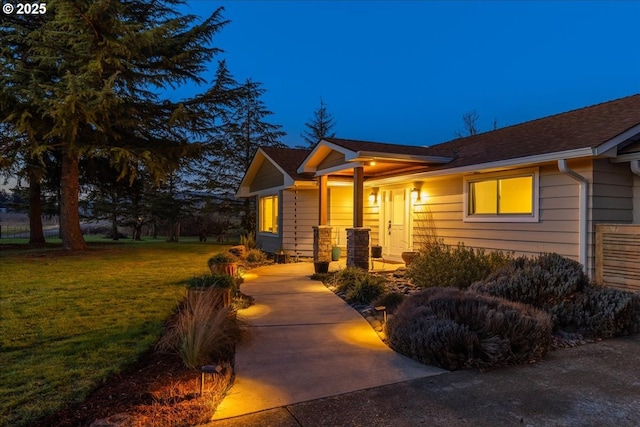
358 197
358 236
358 247
323 196
322 243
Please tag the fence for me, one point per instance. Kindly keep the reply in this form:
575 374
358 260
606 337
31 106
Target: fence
618 256
22 232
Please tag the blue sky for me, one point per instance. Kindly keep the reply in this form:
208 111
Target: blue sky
406 71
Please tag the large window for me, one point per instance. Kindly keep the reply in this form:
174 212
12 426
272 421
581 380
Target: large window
269 214
502 197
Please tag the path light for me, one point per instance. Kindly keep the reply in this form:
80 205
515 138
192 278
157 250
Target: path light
383 309
209 369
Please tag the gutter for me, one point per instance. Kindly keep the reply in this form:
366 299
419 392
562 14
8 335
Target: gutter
583 223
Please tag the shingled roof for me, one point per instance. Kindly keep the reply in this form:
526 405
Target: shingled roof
355 146
288 159
584 128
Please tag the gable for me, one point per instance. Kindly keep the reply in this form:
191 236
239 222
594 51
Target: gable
267 176
335 158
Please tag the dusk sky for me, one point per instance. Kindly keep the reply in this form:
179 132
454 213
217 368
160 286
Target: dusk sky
405 72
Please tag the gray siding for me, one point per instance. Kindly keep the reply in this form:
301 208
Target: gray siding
556 231
334 158
268 176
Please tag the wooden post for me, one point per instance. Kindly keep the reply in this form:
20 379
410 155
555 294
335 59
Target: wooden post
322 205
358 197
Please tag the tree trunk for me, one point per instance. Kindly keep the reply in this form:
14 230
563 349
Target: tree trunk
70 232
36 235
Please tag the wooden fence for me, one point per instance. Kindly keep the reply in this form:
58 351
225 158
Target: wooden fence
618 256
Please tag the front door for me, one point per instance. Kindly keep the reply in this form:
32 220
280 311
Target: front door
395 212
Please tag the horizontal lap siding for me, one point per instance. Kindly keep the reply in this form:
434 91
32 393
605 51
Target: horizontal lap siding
300 215
340 213
268 176
557 230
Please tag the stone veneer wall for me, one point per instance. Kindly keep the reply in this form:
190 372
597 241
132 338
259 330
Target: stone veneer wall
322 243
358 247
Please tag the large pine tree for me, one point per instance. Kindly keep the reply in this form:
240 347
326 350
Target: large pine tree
88 80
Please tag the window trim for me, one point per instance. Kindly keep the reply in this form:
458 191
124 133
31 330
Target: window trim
275 198
479 177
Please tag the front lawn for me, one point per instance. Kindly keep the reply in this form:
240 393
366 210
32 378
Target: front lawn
68 321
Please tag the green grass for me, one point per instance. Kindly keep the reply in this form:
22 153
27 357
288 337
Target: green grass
68 321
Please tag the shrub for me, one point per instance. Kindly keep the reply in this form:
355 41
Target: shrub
559 286
459 266
256 256
202 333
221 281
248 241
390 300
347 278
222 258
366 289
456 329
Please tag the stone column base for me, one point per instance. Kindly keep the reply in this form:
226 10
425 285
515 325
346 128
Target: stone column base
358 247
322 243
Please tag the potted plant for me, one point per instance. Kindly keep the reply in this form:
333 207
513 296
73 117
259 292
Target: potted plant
223 263
376 251
335 249
321 267
281 256
222 285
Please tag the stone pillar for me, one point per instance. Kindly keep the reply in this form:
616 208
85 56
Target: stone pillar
358 247
322 243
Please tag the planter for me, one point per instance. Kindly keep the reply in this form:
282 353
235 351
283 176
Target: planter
335 253
228 268
409 256
321 266
376 251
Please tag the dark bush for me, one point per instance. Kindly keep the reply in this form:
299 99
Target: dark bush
390 300
346 279
222 281
366 289
459 266
457 329
559 286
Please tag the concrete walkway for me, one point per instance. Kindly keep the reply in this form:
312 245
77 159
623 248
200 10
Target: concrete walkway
307 344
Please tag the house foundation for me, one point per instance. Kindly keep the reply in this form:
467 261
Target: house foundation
358 247
322 243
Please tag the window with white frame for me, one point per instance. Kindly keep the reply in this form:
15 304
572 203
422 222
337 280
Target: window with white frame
269 214
502 197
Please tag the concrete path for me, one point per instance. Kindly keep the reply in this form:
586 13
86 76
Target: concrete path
307 344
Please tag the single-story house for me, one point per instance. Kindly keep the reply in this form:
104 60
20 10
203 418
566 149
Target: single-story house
539 186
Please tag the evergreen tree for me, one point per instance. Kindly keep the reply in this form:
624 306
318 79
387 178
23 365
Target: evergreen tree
243 130
95 72
320 126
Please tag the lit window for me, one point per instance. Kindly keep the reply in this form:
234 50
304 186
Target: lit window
502 197
269 214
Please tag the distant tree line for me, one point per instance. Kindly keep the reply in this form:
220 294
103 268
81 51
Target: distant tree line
87 126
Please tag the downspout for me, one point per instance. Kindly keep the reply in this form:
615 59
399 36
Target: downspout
635 167
583 223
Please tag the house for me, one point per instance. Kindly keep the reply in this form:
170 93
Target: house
538 186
